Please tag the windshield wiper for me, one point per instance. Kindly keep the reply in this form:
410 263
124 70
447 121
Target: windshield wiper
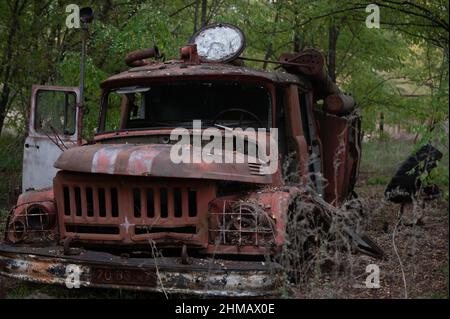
224 127
132 89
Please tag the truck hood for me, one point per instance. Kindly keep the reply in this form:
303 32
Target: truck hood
152 160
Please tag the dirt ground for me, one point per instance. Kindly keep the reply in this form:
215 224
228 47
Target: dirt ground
422 248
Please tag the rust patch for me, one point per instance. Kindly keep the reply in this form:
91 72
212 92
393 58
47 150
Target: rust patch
206 277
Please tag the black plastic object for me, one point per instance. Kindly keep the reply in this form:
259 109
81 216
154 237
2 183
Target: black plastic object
86 15
364 244
404 185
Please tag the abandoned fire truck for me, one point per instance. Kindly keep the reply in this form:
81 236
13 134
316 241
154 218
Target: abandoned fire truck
118 212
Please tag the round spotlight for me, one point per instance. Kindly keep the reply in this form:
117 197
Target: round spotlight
38 218
219 43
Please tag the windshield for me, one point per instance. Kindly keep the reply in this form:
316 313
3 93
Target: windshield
178 104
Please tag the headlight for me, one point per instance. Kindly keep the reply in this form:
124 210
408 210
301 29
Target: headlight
242 223
34 221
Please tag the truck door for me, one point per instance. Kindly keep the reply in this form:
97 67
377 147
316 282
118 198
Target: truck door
52 128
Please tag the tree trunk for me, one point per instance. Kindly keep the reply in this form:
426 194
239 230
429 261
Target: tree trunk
104 16
332 43
105 9
4 99
197 4
269 50
381 125
203 13
297 41
297 46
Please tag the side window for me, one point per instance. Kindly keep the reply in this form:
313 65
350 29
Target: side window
132 104
55 112
137 109
113 111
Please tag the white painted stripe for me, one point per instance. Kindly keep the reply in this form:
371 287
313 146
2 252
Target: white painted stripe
110 153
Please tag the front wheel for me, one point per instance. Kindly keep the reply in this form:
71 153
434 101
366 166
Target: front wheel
306 230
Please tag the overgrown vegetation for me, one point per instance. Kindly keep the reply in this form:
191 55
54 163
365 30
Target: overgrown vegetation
3 216
319 257
11 150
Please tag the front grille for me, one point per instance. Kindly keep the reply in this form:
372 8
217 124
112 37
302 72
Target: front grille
132 209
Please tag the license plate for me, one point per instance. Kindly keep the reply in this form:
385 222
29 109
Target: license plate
123 276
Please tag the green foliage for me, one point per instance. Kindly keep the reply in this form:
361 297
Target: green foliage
11 152
378 180
3 215
382 157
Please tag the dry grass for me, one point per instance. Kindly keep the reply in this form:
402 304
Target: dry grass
415 264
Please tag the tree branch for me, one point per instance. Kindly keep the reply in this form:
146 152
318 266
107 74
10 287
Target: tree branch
182 8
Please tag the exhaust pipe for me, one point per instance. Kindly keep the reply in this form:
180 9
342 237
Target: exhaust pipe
138 58
311 64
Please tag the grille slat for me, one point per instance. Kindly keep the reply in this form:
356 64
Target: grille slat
143 198
96 204
157 202
72 203
84 204
185 201
107 203
177 202
89 195
170 203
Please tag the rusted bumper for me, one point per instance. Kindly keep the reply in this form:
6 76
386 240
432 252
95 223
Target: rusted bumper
202 277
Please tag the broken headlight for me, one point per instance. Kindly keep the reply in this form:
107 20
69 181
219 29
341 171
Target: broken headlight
32 222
